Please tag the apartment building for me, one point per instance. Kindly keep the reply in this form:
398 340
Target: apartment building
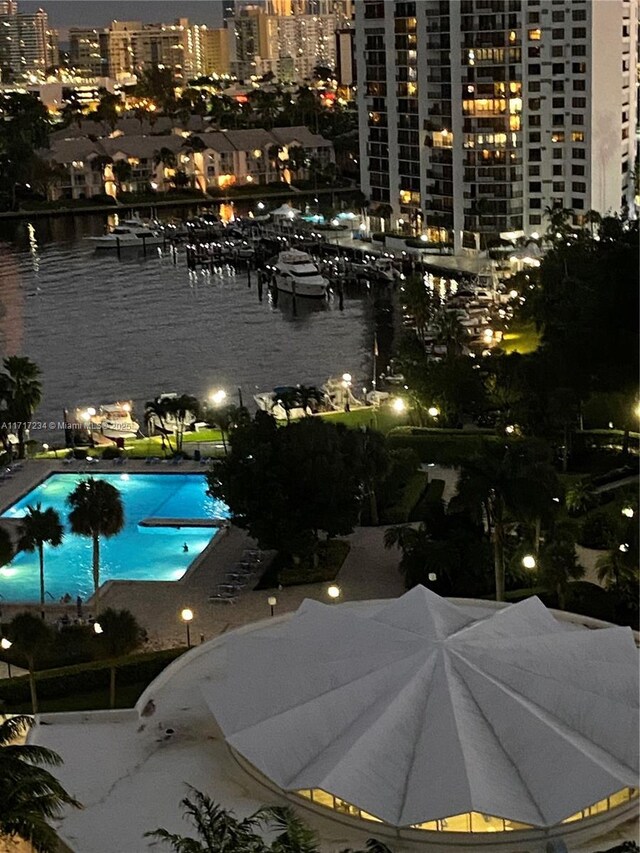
127 47
287 37
25 41
89 51
218 160
477 115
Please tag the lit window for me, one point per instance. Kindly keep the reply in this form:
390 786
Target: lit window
577 136
535 35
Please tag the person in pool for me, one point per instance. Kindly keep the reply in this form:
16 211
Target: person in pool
185 548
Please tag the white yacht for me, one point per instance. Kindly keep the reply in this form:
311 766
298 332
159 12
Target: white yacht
113 420
128 233
297 273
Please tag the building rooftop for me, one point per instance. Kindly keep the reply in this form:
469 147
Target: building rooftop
130 768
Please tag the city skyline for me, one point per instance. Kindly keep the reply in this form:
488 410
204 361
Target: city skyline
73 13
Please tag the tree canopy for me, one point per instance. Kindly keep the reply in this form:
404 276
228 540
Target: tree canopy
30 795
288 485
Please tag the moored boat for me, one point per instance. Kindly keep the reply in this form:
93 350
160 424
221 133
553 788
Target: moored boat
297 273
130 233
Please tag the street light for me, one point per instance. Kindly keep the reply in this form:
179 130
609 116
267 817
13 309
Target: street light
5 645
628 511
433 577
399 406
272 601
97 628
433 411
218 397
529 561
334 592
187 616
624 547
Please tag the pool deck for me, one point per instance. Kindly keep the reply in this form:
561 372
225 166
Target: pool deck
370 571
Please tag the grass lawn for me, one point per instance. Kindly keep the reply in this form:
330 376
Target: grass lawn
331 556
141 448
382 419
521 337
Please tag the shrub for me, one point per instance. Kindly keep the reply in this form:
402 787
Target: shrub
446 447
111 452
599 530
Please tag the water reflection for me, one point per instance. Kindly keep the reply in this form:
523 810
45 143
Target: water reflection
104 328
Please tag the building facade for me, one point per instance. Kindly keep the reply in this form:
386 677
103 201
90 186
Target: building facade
25 41
477 115
221 159
287 37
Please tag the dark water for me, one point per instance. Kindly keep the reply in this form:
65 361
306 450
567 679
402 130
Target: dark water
104 329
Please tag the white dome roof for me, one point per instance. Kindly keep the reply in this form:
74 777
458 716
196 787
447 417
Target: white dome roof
415 711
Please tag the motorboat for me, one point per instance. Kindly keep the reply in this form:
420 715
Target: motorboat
378 269
129 233
297 273
112 420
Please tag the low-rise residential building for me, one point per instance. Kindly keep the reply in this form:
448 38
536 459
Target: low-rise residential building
205 160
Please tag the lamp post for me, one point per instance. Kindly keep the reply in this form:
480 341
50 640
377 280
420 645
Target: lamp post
187 616
97 628
529 561
272 601
334 592
6 644
218 397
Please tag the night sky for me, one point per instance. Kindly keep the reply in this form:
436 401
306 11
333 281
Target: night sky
83 13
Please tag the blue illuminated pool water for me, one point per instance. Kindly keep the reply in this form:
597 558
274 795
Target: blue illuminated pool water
135 554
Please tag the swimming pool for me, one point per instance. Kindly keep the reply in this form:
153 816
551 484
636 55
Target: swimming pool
135 554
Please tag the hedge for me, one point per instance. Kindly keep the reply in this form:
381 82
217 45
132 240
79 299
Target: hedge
445 447
430 497
412 493
56 683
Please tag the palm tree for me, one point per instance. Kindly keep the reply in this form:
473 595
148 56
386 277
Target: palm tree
30 636
37 528
6 547
120 636
501 485
21 391
593 219
30 795
414 543
96 510
122 172
183 409
558 566
220 831
614 570
452 333
309 396
579 497
559 222
159 409
167 159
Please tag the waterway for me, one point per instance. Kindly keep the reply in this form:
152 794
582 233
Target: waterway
104 329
